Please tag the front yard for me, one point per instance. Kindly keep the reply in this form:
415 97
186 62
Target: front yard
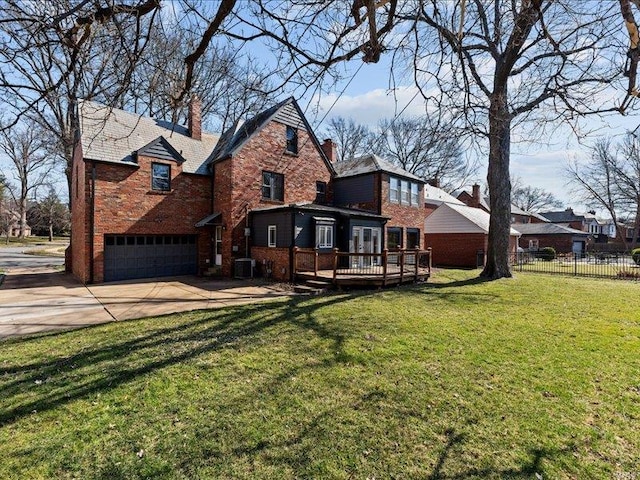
537 375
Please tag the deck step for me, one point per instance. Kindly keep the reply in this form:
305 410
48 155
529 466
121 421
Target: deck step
308 290
318 283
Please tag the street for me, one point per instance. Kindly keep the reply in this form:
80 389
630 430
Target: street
14 258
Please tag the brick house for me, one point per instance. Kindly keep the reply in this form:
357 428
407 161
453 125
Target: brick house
372 184
151 198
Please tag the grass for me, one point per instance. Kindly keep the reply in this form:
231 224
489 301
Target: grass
30 241
537 375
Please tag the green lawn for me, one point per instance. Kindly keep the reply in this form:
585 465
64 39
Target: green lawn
457 379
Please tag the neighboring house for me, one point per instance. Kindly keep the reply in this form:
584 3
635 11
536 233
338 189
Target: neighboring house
11 222
435 196
150 198
458 235
518 216
567 218
374 185
562 238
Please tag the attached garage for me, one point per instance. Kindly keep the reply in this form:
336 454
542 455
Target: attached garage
143 256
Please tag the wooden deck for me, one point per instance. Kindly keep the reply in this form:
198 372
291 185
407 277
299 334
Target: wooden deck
356 269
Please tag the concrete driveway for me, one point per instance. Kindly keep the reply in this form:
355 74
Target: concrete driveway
36 299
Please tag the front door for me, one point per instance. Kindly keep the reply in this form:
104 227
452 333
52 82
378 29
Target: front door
365 240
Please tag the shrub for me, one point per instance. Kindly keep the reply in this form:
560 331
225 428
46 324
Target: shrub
547 253
635 254
628 275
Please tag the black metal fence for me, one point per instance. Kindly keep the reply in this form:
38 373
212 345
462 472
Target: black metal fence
600 265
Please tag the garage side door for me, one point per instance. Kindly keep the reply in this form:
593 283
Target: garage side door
145 256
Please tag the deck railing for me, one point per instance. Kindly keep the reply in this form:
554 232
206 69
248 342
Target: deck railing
406 264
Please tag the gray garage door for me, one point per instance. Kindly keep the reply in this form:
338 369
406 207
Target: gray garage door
145 256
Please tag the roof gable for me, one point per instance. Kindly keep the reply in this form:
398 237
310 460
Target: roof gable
287 112
161 149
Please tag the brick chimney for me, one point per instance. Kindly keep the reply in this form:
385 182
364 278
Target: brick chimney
195 120
475 195
434 182
330 150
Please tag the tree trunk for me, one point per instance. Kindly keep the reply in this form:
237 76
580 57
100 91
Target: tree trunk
23 216
497 265
50 231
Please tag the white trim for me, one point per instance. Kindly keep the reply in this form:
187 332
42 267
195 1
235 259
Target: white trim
271 242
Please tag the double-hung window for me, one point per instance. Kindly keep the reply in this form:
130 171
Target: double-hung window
394 190
161 177
272 186
414 194
404 194
324 236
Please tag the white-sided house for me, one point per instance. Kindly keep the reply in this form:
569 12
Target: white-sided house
458 235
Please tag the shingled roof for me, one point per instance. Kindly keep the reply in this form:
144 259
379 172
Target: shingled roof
549 229
114 135
369 164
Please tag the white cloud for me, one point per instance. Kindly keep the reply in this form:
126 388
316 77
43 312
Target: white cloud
370 107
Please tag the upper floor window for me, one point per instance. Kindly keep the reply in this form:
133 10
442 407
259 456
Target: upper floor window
404 194
160 177
272 186
292 140
321 192
394 190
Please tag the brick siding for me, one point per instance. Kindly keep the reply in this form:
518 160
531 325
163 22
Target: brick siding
403 216
126 204
238 182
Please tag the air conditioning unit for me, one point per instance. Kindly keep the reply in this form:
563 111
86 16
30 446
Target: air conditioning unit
244 267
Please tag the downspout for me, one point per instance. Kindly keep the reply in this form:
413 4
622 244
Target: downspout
380 176
212 238
92 221
293 243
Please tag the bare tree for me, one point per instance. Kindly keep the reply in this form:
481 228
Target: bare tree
427 148
24 147
532 199
611 180
230 84
56 52
352 139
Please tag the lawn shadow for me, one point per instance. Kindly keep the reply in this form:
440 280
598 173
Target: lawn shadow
67 378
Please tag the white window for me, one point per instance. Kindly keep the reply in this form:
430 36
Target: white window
324 236
405 200
272 235
414 194
394 190
533 244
